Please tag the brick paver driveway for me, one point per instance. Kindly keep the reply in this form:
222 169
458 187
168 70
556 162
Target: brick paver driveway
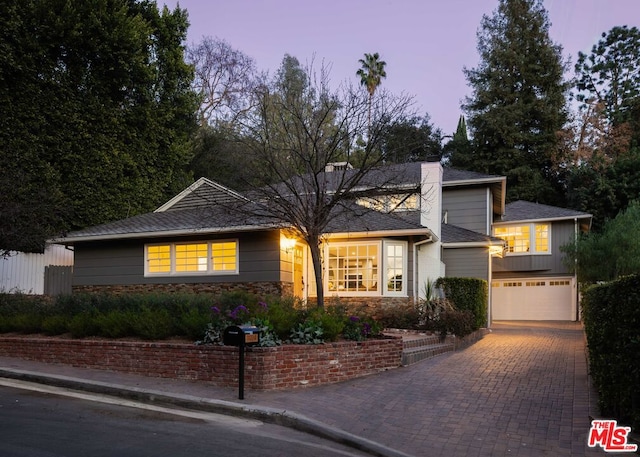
521 391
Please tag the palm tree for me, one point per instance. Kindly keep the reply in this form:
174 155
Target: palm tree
371 74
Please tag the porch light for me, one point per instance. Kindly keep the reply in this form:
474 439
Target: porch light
287 244
497 251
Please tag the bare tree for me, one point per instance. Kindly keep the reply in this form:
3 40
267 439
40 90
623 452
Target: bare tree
224 78
310 162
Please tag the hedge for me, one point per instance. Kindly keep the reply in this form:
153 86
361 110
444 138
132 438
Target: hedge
611 315
467 294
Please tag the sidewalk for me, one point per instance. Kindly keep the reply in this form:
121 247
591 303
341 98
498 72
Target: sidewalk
523 390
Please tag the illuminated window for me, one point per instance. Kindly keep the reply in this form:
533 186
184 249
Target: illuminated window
525 239
213 257
191 257
394 267
159 259
357 268
224 256
389 203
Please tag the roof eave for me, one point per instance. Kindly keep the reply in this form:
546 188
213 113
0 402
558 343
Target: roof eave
161 234
546 219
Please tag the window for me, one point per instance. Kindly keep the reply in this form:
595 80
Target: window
389 203
159 259
353 267
213 257
525 239
357 268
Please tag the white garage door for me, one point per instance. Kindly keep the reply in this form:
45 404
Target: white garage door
534 299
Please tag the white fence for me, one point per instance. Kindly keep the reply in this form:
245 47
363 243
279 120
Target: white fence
25 273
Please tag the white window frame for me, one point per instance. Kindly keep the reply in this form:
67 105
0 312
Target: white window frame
382 268
533 248
209 271
386 267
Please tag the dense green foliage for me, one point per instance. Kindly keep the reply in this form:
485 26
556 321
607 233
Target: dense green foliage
97 114
611 253
611 314
468 294
518 103
198 317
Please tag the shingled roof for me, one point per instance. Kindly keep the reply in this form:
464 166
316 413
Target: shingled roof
522 211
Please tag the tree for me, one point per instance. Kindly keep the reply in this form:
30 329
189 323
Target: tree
295 141
611 253
611 73
413 139
457 151
224 79
97 109
518 104
607 153
371 73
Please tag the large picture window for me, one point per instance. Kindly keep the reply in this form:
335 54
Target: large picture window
356 268
525 239
212 257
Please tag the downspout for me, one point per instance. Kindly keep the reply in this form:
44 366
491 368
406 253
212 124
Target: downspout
575 268
415 264
490 295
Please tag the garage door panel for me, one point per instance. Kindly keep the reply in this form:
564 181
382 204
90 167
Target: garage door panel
533 299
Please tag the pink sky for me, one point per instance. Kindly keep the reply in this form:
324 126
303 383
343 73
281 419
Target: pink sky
425 43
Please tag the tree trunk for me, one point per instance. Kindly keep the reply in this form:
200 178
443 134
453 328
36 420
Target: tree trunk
314 247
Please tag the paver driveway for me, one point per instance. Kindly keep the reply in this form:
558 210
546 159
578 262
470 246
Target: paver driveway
520 391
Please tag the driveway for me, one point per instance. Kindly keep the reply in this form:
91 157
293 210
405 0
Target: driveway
520 391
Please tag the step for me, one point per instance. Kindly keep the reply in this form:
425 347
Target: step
417 353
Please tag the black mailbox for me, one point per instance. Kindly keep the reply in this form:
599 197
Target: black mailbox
246 335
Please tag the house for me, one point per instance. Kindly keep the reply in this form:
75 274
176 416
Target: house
429 222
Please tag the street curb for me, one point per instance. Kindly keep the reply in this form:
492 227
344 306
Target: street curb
265 414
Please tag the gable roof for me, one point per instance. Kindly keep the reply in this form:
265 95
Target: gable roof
523 211
203 192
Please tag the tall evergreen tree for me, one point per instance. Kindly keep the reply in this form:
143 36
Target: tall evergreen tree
518 104
97 109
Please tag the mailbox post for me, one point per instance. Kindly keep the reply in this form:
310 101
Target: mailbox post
241 336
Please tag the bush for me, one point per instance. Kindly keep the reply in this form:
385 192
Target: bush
611 314
456 322
470 294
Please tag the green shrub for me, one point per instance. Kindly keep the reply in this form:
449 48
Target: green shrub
309 332
405 316
55 325
84 324
192 322
151 324
470 294
115 324
611 314
456 322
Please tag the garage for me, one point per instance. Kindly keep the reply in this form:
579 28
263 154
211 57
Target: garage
534 299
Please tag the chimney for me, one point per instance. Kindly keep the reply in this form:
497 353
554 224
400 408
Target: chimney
431 197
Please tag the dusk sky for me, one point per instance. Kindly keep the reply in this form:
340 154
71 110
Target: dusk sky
425 43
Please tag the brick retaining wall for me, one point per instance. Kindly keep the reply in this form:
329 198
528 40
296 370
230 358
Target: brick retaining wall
281 367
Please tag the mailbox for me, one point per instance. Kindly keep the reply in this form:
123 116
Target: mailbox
242 335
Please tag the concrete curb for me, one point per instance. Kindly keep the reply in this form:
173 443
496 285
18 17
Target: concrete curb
264 414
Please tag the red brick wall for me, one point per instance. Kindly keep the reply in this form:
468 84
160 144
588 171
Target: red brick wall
282 367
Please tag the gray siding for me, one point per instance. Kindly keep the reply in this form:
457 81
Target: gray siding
466 208
122 262
466 263
538 265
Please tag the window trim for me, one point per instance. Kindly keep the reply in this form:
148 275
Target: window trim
533 246
382 267
172 259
